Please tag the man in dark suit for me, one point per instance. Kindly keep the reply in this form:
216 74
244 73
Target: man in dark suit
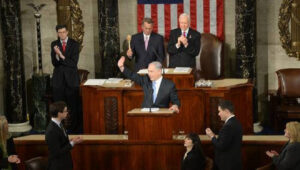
184 44
65 80
158 92
229 142
59 145
146 46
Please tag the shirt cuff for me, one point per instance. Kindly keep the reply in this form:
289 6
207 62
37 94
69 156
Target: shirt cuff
57 57
177 46
72 143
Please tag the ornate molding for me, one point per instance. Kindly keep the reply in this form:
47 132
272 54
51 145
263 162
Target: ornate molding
77 24
111 115
285 14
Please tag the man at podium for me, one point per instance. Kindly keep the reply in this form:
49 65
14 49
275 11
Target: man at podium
158 91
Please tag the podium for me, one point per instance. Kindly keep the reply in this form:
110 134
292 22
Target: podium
146 125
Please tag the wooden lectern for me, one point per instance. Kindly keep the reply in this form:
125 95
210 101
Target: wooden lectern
146 125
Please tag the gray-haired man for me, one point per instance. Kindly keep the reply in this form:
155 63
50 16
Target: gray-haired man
158 92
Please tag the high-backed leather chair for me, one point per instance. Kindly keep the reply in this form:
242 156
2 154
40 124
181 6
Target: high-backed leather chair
83 75
210 63
288 93
209 163
36 163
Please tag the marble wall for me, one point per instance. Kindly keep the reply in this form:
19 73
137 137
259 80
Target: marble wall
1 74
270 55
48 23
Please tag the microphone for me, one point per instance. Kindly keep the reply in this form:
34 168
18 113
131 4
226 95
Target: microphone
157 56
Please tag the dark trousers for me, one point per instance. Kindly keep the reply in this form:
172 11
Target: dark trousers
70 95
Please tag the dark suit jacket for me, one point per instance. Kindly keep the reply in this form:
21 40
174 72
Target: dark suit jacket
289 158
10 151
155 50
65 69
167 91
59 148
194 160
184 57
228 146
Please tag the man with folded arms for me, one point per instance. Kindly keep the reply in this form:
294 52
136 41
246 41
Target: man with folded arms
158 91
228 144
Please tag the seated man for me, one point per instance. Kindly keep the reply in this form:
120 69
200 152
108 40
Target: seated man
158 92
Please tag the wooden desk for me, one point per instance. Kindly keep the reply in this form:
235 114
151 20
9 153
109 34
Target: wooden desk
104 109
182 80
107 152
150 125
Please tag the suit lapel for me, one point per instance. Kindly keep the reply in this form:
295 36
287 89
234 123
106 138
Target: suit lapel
150 41
160 91
59 129
68 47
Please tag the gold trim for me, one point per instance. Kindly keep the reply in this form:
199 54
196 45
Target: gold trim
77 24
283 24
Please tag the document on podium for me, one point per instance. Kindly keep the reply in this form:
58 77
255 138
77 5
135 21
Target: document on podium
186 70
148 109
94 82
154 111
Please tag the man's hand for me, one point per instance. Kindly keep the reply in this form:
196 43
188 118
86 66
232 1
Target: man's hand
58 52
77 139
121 63
174 108
129 53
184 41
209 132
13 159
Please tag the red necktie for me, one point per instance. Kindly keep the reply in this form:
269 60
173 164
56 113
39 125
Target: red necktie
184 34
64 46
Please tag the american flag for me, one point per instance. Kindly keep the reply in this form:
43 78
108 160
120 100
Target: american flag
207 16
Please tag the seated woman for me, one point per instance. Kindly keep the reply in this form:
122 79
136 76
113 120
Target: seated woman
194 158
8 159
289 157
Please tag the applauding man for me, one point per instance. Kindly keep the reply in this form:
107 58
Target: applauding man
59 145
229 142
184 44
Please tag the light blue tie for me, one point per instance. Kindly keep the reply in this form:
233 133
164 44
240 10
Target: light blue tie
154 91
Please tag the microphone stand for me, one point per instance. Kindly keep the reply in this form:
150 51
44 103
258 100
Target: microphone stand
157 56
151 99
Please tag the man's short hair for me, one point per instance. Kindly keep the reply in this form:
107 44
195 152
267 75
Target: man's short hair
185 15
58 27
157 65
226 104
56 107
148 20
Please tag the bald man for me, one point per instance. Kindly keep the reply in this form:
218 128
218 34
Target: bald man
158 91
184 44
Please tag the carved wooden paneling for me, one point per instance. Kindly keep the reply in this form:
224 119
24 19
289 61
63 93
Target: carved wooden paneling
111 115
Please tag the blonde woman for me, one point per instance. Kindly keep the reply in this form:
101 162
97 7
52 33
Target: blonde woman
8 158
289 157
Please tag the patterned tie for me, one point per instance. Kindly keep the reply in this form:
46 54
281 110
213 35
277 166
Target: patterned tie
62 128
146 42
64 46
184 33
154 91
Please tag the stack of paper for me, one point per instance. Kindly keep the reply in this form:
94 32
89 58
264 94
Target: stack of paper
94 82
113 80
148 109
182 70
